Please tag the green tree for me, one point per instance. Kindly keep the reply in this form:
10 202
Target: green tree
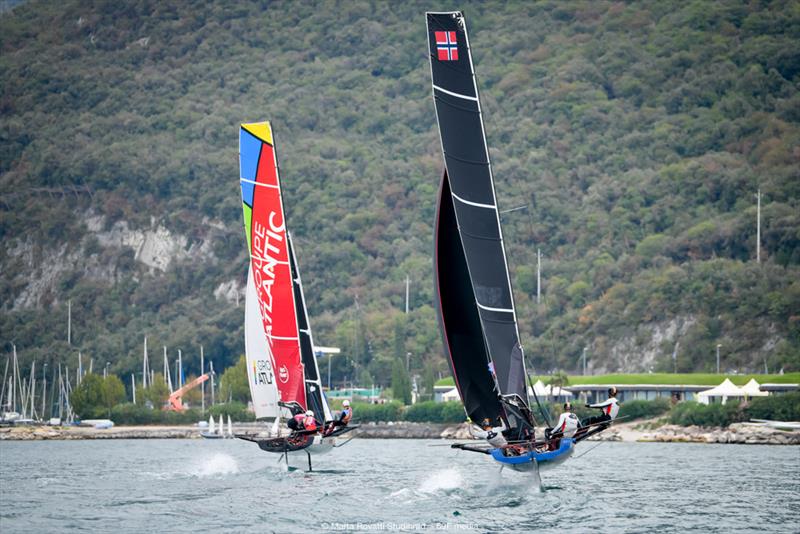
233 384
401 384
156 393
96 396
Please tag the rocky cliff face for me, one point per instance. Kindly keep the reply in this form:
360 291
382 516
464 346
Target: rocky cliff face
638 351
37 271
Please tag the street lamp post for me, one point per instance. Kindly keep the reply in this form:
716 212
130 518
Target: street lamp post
718 346
584 361
105 370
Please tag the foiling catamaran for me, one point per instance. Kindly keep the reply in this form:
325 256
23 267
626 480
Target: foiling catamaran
475 304
281 365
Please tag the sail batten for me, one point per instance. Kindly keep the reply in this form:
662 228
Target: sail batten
481 342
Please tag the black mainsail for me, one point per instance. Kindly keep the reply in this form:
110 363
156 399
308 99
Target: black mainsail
475 302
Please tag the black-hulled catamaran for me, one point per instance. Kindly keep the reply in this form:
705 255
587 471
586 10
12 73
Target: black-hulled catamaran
475 303
281 364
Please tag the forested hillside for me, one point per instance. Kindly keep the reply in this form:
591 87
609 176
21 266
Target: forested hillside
636 134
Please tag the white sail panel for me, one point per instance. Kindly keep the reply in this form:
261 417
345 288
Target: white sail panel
260 375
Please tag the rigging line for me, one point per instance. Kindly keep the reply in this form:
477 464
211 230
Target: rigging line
464 160
452 105
535 396
590 450
345 443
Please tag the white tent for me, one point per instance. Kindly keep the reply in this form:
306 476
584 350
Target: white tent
751 389
451 395
724 390
538 388
543 391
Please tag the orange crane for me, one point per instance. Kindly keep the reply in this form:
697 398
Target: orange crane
174 402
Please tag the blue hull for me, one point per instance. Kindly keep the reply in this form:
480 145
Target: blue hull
543 460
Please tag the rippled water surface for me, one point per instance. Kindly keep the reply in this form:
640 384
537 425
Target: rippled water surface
392 485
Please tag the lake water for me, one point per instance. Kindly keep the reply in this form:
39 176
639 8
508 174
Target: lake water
392 485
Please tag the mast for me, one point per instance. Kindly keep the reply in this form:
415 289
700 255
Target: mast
144 365
203 384
3 386
316 400
167 376
213 376
758 226
475 301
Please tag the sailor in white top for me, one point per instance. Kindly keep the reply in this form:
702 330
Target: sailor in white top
566 426
494 435
610 409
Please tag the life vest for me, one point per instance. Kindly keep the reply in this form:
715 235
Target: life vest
309 423
347 413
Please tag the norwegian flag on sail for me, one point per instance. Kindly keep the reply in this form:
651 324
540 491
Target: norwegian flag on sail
446 46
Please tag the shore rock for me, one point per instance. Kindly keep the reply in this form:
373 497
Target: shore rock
740 433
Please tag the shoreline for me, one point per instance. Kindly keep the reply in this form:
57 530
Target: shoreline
636 431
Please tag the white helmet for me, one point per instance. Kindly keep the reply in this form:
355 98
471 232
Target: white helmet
309 413
346 403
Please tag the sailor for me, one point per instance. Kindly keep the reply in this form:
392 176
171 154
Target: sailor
309 422
346 414
566 426
344 418
494 435
296 422
610 409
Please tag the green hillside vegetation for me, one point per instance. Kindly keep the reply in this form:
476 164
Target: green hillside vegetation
636 133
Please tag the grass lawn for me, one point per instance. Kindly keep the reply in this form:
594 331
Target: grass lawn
700 379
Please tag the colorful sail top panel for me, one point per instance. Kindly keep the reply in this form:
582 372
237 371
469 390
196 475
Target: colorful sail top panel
471 191
265 227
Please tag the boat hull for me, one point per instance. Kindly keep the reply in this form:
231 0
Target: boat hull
533 460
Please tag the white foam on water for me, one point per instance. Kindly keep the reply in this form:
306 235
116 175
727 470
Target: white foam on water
217 464
446 479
